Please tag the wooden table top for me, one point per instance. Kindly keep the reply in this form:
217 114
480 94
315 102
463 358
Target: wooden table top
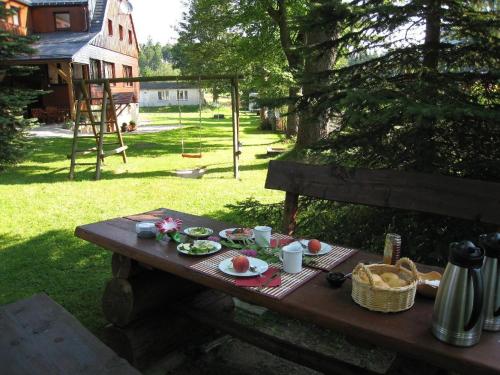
407 333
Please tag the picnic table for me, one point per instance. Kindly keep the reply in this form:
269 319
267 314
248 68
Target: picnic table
407 333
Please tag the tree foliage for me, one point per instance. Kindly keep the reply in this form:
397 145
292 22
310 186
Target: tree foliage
429 101
13 100
155 59
421 93
262 39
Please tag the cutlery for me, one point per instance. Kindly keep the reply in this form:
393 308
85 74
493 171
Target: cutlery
255 269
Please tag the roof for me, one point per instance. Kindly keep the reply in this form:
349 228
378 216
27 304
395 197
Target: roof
52 2
168 85
62 44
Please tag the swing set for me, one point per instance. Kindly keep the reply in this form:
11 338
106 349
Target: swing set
185 154
108 118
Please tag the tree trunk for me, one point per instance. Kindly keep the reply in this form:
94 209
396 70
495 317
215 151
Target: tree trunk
314 125
292 118
425 150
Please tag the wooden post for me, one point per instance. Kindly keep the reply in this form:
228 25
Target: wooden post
102 130
75 138
115 119
71 91
290 213
234 121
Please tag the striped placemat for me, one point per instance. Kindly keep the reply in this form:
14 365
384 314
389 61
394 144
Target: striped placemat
326 262
289 282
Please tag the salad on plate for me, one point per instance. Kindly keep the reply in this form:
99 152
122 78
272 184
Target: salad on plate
198 231
199 247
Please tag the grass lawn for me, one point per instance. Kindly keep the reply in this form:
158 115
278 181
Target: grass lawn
39 207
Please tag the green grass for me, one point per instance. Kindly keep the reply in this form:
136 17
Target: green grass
40 208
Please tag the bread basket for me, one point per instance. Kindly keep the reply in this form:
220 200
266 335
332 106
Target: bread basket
383 299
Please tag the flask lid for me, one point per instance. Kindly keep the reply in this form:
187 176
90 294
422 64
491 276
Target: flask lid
466 254
490 243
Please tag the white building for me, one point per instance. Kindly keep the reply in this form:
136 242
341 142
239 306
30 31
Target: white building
158 94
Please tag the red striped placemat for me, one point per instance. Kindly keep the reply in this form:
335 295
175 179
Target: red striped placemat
289 282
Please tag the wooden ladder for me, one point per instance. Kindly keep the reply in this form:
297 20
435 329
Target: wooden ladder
108 119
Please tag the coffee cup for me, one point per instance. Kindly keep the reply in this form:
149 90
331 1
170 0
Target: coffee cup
291 257
262 236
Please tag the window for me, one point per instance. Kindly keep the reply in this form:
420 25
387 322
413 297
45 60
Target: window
130 38
110 27
15 16
120 31
62 21
54 77
163 95
109 70
127 73
182 95
95 69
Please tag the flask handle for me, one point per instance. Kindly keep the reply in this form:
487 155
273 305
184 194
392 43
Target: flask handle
477 307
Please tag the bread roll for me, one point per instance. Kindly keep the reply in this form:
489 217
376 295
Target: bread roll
388 276
397 283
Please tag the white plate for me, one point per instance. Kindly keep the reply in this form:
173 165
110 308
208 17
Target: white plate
226 266
216 249
222 234
325 248
188 232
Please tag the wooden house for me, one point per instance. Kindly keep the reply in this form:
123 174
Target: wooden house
159 94
80 39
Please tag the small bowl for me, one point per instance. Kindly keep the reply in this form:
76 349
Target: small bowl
425 290
336 279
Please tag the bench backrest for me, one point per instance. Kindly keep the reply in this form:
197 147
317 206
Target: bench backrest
451 196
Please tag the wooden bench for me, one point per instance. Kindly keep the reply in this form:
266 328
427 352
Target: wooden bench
450 196
37 336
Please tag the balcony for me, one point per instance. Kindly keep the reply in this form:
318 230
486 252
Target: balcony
19 30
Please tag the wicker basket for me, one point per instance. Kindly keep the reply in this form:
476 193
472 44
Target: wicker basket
381 299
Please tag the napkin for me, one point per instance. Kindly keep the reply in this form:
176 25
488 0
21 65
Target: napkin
281 242
258 281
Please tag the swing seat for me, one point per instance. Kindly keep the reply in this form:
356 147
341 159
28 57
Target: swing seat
192 156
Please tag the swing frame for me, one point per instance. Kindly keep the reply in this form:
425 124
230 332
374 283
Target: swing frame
235 99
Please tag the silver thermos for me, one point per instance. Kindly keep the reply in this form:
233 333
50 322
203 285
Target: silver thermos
457 317
490 243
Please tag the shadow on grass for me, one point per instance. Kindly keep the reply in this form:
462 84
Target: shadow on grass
60 175
69 270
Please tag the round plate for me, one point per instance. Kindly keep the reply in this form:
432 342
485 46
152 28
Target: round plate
226 266
189 230
217 247
222 234
325 248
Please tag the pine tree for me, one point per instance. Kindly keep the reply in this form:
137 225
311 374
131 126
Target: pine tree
421 93
13 101
426 98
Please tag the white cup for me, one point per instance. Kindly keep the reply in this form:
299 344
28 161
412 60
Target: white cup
262 236
291 257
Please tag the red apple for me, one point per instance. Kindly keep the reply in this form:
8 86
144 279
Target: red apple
314 246
240 263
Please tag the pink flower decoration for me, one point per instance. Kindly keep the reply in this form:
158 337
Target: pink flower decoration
249 252
169 225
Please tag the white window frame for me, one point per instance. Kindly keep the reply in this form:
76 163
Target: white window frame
182 95
163 95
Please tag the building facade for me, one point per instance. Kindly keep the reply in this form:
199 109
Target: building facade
159 94
80 39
